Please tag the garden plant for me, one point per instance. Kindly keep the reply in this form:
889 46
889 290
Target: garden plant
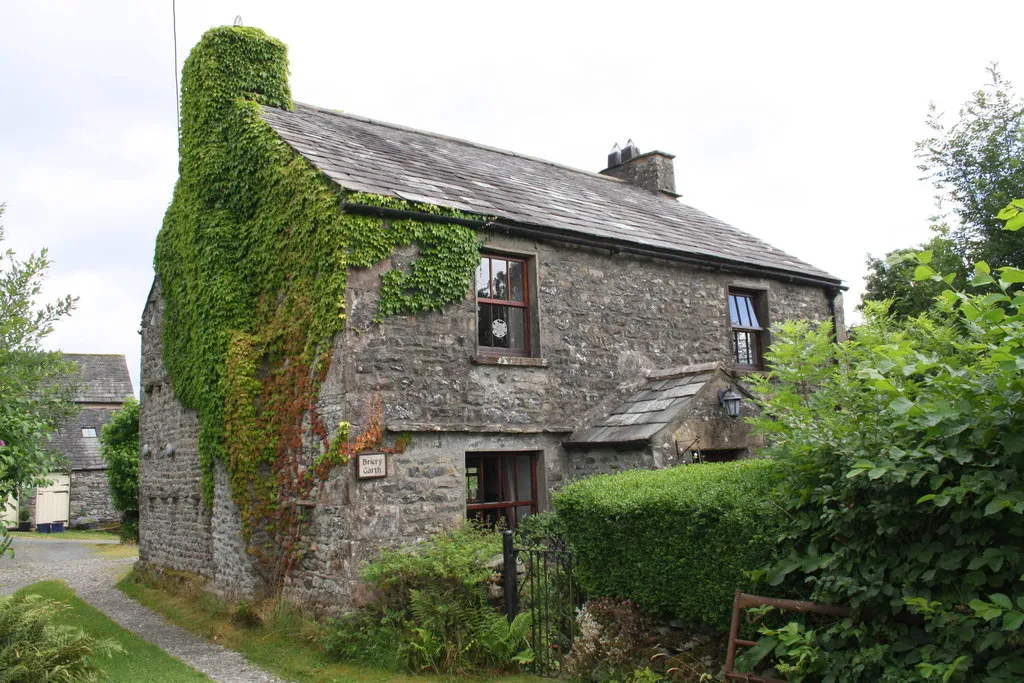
902 452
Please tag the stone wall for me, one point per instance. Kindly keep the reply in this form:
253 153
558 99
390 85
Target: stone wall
424 492
174 527
90 496
601 321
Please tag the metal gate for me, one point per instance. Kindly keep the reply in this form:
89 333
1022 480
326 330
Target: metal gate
542 582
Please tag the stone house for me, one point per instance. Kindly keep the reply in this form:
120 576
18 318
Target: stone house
606 320
82 491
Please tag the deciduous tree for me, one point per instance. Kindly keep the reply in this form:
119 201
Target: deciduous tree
35 385
977 166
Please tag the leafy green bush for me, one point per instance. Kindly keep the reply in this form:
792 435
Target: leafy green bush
677 542
34 648
119 446
431 611
904 475
456 561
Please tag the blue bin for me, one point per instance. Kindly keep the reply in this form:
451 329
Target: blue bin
45 528
58 527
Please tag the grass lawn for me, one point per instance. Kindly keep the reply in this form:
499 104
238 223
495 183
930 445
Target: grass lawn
285 650
140 661
70 534
120 551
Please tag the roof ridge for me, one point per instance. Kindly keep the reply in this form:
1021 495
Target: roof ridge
461 141
70 353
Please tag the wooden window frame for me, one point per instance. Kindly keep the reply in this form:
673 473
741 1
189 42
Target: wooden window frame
526 305
756 334
506 507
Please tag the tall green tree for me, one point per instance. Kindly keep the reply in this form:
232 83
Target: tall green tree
892 278
36 387
977 166
119 446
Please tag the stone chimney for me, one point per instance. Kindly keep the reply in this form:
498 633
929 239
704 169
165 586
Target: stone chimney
652 171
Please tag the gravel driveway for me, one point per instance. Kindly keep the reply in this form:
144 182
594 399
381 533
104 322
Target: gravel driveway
93 579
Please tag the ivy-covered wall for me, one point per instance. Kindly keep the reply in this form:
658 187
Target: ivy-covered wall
252 261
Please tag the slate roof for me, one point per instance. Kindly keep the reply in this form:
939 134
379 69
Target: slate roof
657 403
370 156
83 452
102 378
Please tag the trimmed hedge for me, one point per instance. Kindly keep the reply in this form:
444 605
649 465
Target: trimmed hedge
678 542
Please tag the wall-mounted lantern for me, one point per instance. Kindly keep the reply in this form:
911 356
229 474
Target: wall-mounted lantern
169 451
731 400
146 451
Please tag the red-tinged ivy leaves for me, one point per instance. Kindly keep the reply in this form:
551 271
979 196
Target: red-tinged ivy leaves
904 457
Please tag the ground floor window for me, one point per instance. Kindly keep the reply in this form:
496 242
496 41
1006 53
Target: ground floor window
501 487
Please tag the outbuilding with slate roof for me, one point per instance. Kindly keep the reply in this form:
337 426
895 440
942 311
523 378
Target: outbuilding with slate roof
81 492
607 326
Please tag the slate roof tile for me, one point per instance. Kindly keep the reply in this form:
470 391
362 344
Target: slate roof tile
651 408
370 156
82 451
102 377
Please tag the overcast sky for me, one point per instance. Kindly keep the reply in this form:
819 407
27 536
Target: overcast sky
794 122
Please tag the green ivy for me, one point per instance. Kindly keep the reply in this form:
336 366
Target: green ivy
252 262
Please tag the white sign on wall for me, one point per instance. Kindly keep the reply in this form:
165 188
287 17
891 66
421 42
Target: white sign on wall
371 465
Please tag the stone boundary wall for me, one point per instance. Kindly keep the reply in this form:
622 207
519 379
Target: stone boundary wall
90 496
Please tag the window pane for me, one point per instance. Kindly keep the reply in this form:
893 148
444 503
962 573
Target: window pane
490 480
483 324
525 475
494 327
499 281
509 477
734 311
745 346
516 327
472 483
483 278
751 313
515 281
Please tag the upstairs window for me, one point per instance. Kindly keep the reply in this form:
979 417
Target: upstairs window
503 306
89 432
746 315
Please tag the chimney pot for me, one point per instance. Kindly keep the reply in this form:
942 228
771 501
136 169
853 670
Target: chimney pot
615 156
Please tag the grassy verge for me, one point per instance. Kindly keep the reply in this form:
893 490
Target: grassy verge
284 643
141 661
69 535
120 551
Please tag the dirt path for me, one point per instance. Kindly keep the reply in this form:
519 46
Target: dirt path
93 579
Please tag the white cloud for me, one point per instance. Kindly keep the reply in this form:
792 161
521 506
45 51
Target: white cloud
793 121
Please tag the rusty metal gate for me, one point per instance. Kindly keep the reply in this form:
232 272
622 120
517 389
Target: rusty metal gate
544 584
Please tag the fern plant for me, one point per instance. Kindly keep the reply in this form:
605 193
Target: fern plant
432 609
35 648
